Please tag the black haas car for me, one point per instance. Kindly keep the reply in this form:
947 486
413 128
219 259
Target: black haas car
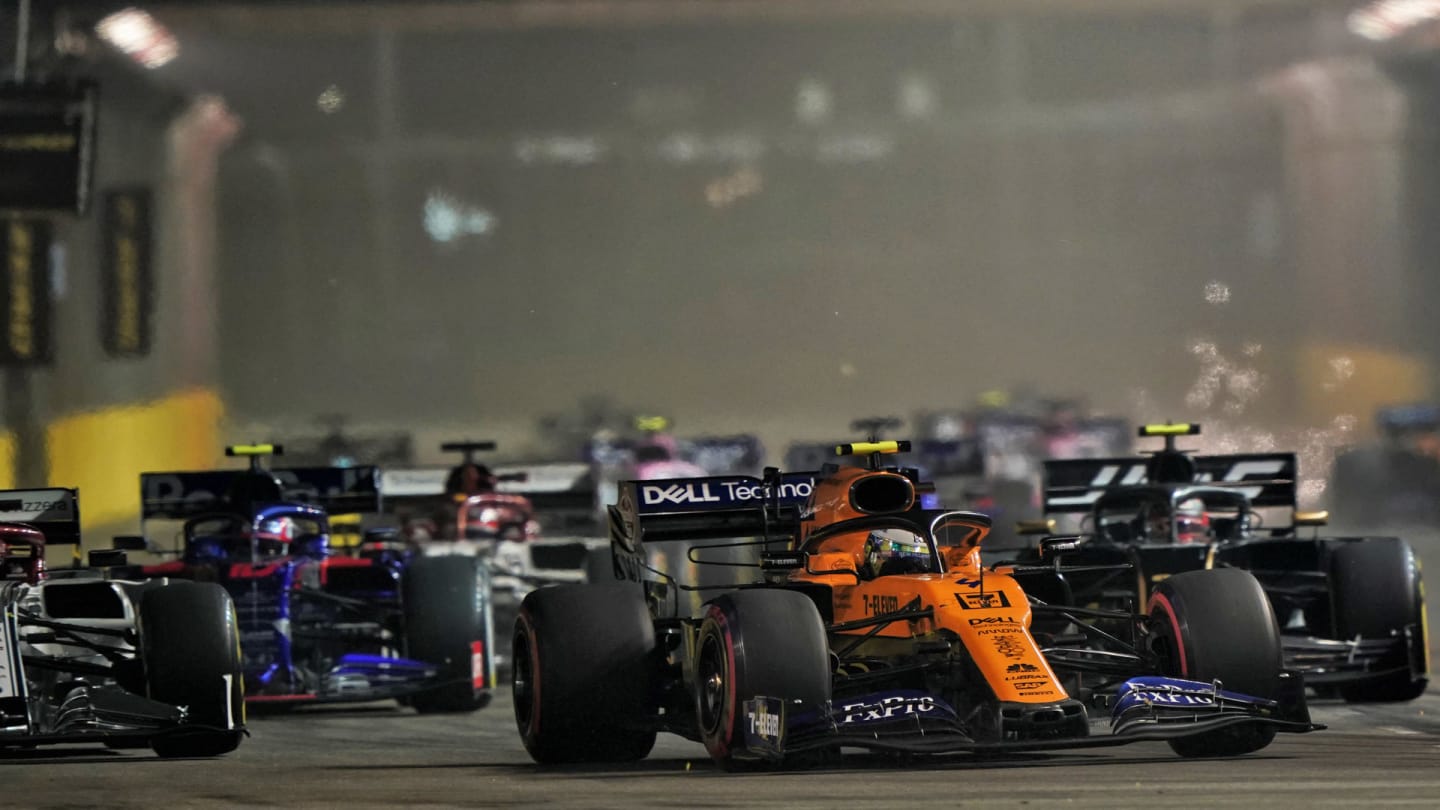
1351 609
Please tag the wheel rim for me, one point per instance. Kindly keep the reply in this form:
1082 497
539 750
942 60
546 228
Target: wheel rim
522 682
712 671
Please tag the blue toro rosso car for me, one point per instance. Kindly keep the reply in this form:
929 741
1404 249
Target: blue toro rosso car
318 628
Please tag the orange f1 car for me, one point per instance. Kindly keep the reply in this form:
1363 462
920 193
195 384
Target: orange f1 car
873 623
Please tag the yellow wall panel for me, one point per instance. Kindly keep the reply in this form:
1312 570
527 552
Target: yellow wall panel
103 452
7 461
1355 379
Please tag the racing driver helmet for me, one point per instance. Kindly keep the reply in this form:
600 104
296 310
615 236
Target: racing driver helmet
273 536
895 551
1192 524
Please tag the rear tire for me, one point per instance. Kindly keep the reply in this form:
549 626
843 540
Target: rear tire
600 566
1218 626
754 643
190 646
1376 592
447 623
582 669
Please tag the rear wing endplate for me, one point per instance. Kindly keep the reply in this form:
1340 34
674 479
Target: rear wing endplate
54 511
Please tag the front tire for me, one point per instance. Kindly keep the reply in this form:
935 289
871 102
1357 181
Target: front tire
582 670
1218 626
756 643
447 623
190 646
1376 592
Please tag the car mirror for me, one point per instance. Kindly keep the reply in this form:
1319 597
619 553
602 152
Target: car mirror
107 557
782 561
831 562
129 542
1053 547
1034 527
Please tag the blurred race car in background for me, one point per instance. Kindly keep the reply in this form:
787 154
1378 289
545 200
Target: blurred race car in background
316 627
988 459
87 659
340 447
651 450
1351 609
1392 484
530 524
870 622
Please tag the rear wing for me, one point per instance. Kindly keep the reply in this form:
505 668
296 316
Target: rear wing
55 512
814 455
727 455
936 458
712 507
950 457
568 486
1267 479
400 483
562 485
337 490
1400 420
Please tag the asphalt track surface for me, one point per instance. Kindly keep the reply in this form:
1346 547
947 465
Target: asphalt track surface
379 755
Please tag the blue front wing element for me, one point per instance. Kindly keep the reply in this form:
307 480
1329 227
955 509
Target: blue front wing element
363 677
1152 701
1146 708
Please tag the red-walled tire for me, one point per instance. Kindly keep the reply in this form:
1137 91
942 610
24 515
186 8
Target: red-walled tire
1218 626
583 671
756 643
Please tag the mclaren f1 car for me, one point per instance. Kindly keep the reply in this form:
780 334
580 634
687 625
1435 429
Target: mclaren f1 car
1351 609
873 623
89 659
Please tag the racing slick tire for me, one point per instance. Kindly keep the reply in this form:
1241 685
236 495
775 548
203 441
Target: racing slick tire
754 643
583 668
1375 592
1218 625
447 623
190 646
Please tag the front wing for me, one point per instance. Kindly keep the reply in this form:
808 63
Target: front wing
101 714
1332 662
1146 709
358 678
